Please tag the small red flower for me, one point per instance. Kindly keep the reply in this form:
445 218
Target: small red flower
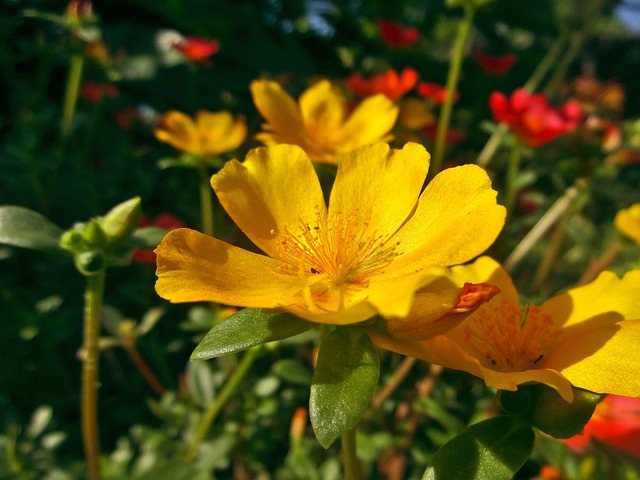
389 83
531 117
96 93
496 65
616 422
434 92
164 220
197 49
396 34
453 137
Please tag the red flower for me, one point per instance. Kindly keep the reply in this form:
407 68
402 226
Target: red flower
96 92
531 117
164 220
389 83
453 137
616 422
496 65
396 34
197 49
434 92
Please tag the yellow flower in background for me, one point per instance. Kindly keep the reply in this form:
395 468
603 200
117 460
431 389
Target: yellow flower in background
628 222
587 337
379 240
416 114
321 122
210 133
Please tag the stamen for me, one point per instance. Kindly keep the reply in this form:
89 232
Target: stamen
512 340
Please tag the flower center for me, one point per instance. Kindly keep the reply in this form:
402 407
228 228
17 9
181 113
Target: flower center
341 249
511 340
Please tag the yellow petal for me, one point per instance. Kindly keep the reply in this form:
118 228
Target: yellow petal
194 267
219 131
457 218
277 107
178 130
370 122
511 380
322 108
354 314
602 359
628 222
580 307
381 185
275 187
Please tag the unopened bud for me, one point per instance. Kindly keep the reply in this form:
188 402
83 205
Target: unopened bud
121 221
90 263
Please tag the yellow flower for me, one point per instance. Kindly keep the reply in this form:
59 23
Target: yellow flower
320 123
628 222
415 114
212 133
587 337
377 242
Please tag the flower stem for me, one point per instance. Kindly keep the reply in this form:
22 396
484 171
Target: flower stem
398 376
453 76
349 458
601 263
538 74
226 393
71 93
513 167
92 314
144 369
551 255
206 201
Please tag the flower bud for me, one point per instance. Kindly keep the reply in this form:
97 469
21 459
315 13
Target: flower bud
90 263
73 241
93 234
121 221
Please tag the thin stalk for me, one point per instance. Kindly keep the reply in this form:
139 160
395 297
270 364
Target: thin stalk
206 201
394 382
214 409
94 295
575 47
453 76
551 255
513 167
601 263
349 458
532 84
144 369
74 80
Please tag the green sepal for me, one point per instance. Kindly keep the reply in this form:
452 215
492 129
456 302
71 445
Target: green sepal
21 227
493 449
122 220
147 238
247 328
344 381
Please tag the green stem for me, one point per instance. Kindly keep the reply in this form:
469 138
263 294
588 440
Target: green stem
513 168
71 94
575 47
92 314
206 201
452 85
532 84
550 257
349 458
214 409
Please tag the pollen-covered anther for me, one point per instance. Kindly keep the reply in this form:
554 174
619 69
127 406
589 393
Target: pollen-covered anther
472 295
511 340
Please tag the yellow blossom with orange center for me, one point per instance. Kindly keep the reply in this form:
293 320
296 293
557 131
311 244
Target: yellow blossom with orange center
209 133
585 337
380 239
321 122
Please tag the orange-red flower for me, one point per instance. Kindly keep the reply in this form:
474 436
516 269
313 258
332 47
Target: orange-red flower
197 49
434 92
396 34
616 422
531 117
96 93
453 137
496 65
389 83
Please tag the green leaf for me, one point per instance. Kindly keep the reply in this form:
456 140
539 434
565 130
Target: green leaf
21 227
345 378
493 449
147 238
247 328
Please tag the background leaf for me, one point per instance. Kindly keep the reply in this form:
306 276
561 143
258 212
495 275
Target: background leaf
345 378
493 449
247 328
25 228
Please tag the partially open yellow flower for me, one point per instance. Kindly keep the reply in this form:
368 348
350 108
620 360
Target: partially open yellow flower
212 133
628 222
320 122
587 337
377 242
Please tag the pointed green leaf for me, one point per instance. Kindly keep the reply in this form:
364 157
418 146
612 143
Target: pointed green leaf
21 227
493 449
247 328
344 381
